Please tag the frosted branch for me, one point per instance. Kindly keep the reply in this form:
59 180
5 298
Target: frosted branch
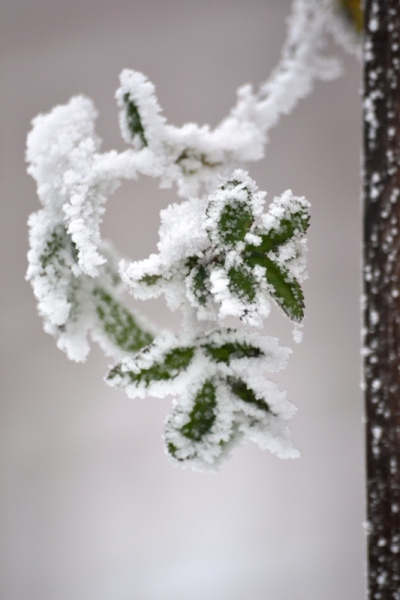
222 252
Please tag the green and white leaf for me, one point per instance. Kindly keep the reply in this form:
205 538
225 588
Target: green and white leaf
200 430
124 330
232 210
159 369
261 416
72 306
140 116
208 420
243 351
283 288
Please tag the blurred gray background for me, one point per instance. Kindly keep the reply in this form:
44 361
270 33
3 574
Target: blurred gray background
90 508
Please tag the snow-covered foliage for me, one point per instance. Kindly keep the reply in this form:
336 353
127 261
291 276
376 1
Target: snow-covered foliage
223 256
221 251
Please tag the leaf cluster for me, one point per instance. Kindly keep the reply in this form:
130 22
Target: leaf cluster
219 399
245 256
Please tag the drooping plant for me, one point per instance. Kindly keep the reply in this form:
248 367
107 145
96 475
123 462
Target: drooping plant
221 251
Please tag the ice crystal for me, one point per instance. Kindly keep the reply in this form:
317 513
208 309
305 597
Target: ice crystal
221 251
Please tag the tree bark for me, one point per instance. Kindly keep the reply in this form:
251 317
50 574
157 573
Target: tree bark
382 293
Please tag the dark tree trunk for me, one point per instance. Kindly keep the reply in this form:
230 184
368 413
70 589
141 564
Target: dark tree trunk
382 293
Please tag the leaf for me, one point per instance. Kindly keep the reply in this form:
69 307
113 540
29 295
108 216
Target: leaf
58 243
231 350
230 212
288 228
133 120
150 279
195 441
242 391
119 324
173 363
242 283
235 221
199 276
202 416
285 289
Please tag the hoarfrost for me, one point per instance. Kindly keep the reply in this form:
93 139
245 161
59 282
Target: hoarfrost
220 252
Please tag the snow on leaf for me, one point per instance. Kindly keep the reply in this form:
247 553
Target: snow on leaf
197 281
225 256
221 391
283 288
140 116
205 422
119 323
201 416
133 120
200 426
153 368
232 350
61 149
231 210
242 284
51 261
220 252
242 391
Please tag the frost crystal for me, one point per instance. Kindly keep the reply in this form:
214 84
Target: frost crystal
221 252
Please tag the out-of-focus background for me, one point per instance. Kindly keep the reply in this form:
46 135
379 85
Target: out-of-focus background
89 505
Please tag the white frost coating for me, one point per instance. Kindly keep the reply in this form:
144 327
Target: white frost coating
293 253
191 232
182 231
302 62
192 155
60 148
263 420
135 87
244 190
49 286
220 253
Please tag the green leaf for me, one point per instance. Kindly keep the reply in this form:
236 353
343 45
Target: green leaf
235 221
202 416
242 283
287 229
200 279
174 362
285 289
119 324
231 350
58 242
150 279
134 120
172 450
242 391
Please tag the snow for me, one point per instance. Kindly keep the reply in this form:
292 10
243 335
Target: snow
202 262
